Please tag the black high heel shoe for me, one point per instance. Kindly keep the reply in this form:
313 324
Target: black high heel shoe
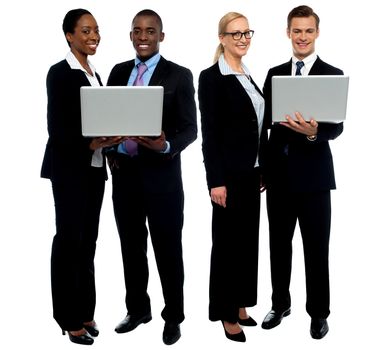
239 337
83 339
248 322
92 330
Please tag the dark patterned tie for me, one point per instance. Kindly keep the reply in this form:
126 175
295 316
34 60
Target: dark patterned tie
299 66
132 146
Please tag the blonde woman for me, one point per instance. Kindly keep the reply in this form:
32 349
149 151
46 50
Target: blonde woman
232 113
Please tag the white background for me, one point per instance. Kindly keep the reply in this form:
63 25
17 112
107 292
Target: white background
32 40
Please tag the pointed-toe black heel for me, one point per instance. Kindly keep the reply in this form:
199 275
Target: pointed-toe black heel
248 322
92 329
84 339
239 337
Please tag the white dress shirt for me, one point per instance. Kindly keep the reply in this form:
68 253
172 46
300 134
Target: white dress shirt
308 63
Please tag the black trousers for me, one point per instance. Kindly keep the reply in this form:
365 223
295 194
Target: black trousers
234 256
313 212
144 206
77 207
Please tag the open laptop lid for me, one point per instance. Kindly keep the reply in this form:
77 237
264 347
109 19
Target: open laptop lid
121 110
322 97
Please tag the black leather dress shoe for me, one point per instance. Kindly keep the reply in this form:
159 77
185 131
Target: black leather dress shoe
274 318
131 322
92 330
319 328
84 339
239 337
248 322
171 333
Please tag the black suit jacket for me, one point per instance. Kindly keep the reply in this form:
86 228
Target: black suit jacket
229 127
309 164
67 154
179 120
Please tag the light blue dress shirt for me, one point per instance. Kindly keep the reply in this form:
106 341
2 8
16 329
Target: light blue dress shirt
151 63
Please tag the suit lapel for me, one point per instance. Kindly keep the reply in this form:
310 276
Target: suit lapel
316 68
127 71
256 87
233 86
161 70
286 68
99 79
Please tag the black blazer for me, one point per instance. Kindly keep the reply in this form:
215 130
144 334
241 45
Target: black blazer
309 165
229 127
67 153
179 120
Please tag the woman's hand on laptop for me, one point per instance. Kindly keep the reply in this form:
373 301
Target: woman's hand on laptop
101 142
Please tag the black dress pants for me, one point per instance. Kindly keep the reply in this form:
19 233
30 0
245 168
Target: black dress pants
234 256
77 206
145 201
313 212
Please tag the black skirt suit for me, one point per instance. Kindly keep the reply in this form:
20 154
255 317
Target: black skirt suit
230 147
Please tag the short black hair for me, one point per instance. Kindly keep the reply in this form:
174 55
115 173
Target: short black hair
302 11
71 19
151 13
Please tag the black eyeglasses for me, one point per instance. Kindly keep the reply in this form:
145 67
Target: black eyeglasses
238 35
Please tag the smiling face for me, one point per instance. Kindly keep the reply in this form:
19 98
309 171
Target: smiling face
85 38
236 49
303 33
146 35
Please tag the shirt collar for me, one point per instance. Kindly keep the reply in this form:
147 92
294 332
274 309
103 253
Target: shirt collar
75 64
151 62
225 68
307 61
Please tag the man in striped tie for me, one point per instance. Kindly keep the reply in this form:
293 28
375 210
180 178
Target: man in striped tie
299 175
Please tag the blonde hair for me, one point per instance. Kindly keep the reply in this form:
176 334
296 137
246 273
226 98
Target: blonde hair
222 25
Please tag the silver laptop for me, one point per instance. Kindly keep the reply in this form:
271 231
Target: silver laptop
322 97
121 110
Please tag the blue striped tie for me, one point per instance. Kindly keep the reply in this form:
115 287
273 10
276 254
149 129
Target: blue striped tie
299 66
